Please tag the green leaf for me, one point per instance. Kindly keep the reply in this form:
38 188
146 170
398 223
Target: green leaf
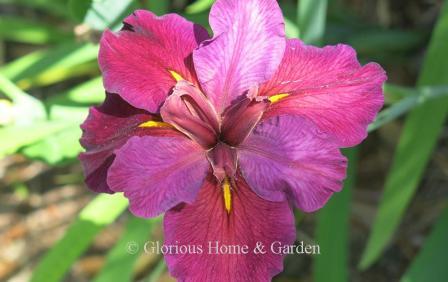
53 65
99 213
368 42
159 7
414 98
64 146
58 148
17 136
79 8
120 262
199 6
155 274
86 94
33 32
25 112
419 136
56 7
291 29
430 263
102 14
333 226
311 20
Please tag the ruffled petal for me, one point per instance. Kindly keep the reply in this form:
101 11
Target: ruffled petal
247 48
329 87
251 220
157 173
286 157
106 129
136 62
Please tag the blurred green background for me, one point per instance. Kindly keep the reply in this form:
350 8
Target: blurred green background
390 223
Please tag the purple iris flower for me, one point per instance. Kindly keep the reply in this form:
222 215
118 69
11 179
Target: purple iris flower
225 134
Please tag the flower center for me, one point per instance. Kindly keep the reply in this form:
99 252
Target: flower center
189 111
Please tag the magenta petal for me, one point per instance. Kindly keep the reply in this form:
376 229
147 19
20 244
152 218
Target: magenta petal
157 173
251 220
329 87
287 157
136 62
240 119
191 113
223 160
106 129
247 48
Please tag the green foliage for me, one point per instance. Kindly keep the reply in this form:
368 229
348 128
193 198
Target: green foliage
419 136
53 65
99 213
158 7
71 108
430 264
412 98
27 31
102 14
311 20
199 6
333 226
121 259
56 7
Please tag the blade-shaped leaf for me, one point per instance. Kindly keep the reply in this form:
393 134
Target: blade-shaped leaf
14 137
199 6
333 226
26 108
56 7
99 213
430 264
418 139
33 32
159 7
102 14
53 65
120 262
311 19
70 107
414 98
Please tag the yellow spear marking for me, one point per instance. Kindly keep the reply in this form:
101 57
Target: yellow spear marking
278 97
152 123
176 76
227 195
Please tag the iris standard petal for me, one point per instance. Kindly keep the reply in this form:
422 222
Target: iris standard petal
136 62
240 119
191 112
247 48
287 157
106 129
329 87
252 220
157 173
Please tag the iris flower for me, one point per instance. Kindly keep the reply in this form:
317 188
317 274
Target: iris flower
225 134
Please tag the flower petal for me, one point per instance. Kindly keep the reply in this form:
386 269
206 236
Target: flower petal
240 119
191 113
330 87
223 159
206 221
287 157
157 173
247 48
136 62
107 128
